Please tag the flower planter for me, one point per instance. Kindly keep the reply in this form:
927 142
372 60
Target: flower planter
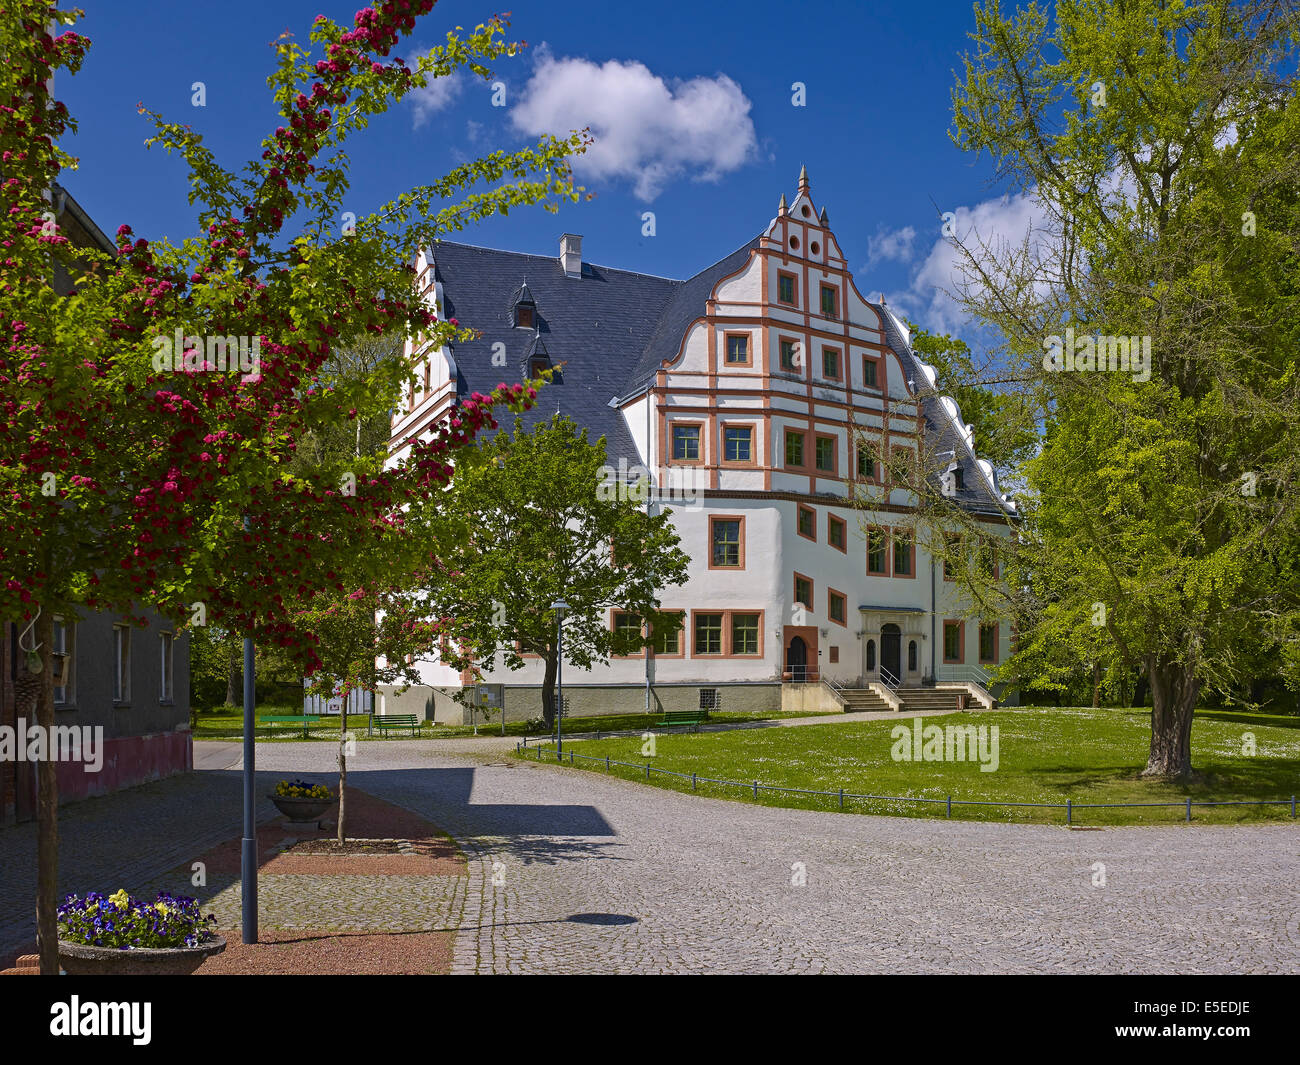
302 810
78 959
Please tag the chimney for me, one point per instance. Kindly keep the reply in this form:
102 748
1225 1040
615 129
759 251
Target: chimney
571 254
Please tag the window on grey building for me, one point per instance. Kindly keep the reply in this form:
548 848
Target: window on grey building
121 664
168 641
65 641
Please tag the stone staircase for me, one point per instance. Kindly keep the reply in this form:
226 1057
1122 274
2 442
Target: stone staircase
913 699
857 700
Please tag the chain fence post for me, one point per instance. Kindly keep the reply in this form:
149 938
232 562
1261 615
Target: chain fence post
1069 812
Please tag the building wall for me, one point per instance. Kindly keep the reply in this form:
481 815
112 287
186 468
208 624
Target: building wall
145 736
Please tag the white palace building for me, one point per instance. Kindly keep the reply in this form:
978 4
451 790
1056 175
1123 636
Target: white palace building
744 380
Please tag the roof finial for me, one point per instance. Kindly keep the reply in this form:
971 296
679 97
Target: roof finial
825 219
803 179
781 207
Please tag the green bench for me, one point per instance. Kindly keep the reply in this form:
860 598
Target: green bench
385 722
295 719
684 717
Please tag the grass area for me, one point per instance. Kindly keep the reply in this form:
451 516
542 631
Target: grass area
222 723
1044 756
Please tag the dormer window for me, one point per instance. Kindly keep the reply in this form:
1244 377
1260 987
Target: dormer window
537 359
523 308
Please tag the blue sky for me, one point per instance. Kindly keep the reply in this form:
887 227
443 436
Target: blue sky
692 104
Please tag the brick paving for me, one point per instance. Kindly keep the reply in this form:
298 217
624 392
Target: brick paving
575 872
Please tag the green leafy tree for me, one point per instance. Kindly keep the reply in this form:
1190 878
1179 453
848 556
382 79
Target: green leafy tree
1003 434
1159 141
353 635
537 513
143 462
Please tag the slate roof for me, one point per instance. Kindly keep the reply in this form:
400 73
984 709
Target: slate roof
611 329
978 493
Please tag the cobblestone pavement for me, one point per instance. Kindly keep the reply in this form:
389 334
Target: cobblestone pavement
122 840
571 871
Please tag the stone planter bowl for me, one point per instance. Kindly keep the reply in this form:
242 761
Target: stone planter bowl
302 810
78 959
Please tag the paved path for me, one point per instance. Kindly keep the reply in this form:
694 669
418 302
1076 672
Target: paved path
599 874
572 871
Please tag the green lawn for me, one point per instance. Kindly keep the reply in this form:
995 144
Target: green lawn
1045 755
222 723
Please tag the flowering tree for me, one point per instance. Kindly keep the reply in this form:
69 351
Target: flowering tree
143 462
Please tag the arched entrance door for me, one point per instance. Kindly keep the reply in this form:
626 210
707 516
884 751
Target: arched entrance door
796 659
891 651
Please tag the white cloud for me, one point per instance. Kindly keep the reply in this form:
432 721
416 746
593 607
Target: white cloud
646 130
474 131
895 244
992 224
438 95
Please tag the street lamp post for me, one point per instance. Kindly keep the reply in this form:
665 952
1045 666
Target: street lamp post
559 606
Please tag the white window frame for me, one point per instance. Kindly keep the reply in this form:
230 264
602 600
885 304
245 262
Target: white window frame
166 668
121 664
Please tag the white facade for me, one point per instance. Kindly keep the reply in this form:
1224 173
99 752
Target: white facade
754 414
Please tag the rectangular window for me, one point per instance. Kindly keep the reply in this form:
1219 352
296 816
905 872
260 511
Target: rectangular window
793 448
988 643
524 317
121 664
785 288
668 639
789 356
831 363
953 640
627 627
738 348
866 463
165 671
708 634
838 605
65 642
903 466
830 301
737 444
806 522
877 560
869 372
803 590
988 559
686 443
825 456
744 634
953 552
902 553
836 533
727 551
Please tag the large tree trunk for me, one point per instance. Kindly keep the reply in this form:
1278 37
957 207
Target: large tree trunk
47 810
548 690
1174 691
234 681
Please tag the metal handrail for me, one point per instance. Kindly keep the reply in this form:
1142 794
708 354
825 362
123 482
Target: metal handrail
888 679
